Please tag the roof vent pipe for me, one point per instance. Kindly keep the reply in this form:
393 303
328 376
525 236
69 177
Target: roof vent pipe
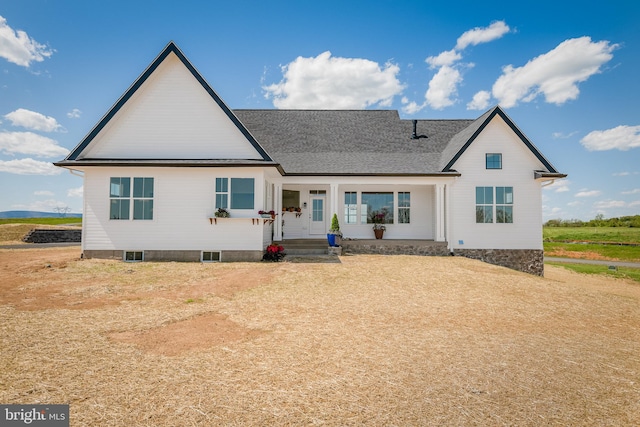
414 135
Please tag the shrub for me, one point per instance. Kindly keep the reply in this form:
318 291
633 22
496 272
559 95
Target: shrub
273 253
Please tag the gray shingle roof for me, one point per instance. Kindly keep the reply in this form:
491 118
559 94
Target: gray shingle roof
360 142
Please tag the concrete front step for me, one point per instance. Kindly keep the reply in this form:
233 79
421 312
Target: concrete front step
305 246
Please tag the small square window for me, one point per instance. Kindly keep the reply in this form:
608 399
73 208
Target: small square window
494 161
133 256
210 256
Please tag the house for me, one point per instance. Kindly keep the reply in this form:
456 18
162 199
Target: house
170 152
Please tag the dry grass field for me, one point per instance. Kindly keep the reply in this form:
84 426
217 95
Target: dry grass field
372 340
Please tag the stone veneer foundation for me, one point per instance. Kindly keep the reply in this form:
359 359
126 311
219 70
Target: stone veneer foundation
526 260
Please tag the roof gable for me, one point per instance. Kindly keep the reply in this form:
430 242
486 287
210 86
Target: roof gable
461 141
166 114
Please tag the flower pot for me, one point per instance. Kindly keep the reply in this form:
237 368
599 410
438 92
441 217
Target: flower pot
331 238
378 233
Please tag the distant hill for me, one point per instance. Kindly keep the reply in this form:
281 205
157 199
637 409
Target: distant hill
35 214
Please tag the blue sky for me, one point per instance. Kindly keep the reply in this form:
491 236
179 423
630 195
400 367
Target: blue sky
565 71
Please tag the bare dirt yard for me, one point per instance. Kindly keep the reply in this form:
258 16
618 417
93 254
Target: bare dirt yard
373 340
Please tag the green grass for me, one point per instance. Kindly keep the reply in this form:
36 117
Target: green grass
621 273
592 234
45 221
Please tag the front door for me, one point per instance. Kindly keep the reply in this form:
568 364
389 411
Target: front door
317 216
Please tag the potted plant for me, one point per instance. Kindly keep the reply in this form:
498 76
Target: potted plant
267 214
334 236
378 218
222 213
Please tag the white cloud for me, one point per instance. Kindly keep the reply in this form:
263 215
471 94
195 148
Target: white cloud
448 57
74 114
562 135
30 143
636 203
554 74
33 120
75 192
413 107
574 204
29 166
327 82
634 191
17 47
480 101
480 35
443 88
621 138
587 193
608 204
43 193
558 186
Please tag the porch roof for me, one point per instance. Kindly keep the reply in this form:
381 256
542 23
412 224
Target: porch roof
351 142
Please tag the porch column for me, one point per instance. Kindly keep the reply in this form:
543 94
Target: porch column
333 204
440 213
277 206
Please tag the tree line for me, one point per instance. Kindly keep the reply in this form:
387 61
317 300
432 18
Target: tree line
598 221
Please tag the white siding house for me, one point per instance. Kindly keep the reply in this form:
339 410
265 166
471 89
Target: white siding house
170 153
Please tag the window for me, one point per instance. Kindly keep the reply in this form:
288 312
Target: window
290 199
404 208
133 256
235 193
376 204
350 207
210 256
142 198
503 205
494 161
119 193
484 204
242 193
222 193
120 197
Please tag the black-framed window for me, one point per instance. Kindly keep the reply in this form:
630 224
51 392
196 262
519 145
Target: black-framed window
494 160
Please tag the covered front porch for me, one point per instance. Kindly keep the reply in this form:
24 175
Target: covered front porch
415 208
